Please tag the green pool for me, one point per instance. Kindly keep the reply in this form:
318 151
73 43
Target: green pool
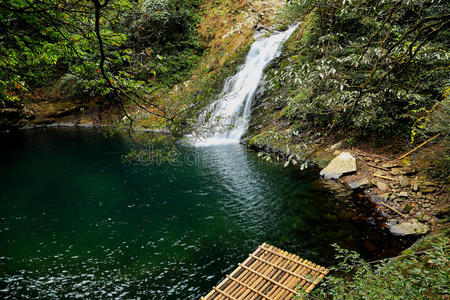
75 221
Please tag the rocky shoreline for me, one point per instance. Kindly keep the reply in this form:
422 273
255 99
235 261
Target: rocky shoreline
403 194
63 114
411 203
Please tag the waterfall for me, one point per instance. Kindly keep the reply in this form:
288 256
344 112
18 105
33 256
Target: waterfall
226 120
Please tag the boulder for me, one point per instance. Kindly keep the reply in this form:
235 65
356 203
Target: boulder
392 164
383 187
415 186
396 171
410 227
404 181
392 222
378 198
408 170
360 184
342 164
379 173
403 194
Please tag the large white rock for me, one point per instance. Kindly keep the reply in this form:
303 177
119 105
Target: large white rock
342 164
411 227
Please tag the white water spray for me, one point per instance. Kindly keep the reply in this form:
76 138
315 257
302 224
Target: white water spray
229 115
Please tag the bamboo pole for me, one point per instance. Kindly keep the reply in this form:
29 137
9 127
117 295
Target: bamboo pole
238 272
268 287
308 290
384 177
285 270
302 270
256 280
269 279
307 271
293 260
224 294
288 280
308 285
243 276
270 273
250 277
248 287
262 284
430 139
393 209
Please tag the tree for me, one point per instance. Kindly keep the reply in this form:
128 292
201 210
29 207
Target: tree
88 46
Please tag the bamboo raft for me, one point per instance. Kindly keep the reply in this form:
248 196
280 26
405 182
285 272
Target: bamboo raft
269 273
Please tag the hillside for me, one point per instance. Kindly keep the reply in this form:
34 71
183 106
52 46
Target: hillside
163 60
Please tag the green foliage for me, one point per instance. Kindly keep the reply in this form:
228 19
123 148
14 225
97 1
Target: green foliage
366 66
421 275
164 34
437 118
146 45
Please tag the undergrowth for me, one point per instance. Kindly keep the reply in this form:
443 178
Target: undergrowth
421 272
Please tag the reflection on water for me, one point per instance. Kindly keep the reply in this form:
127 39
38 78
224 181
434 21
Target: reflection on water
77 222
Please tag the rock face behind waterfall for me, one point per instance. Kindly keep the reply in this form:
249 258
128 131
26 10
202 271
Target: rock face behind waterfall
226 120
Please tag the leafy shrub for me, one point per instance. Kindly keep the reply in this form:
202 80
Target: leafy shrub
366 66
421 275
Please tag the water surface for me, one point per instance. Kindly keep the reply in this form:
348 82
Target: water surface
75 221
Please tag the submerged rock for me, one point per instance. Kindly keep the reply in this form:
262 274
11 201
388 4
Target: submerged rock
378 198
411 227
342 164
360 184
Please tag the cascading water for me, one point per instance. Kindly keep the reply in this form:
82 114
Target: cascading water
226 120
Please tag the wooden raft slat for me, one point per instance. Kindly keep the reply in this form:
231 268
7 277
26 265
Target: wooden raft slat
269 273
